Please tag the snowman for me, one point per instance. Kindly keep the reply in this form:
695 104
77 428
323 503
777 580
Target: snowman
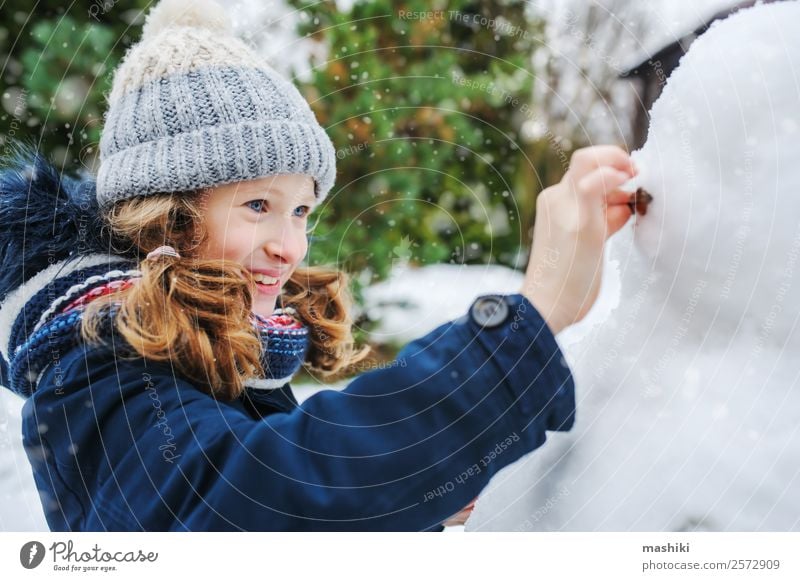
686 370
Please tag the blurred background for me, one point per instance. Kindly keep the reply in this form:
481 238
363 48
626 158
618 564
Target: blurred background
448 119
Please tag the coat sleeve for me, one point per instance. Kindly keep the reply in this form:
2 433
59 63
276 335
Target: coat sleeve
401 448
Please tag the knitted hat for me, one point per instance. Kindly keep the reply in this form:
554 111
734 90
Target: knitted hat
191 106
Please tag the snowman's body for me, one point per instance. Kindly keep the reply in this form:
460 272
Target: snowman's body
688 368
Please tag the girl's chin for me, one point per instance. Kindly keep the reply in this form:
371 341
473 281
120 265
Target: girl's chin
264 308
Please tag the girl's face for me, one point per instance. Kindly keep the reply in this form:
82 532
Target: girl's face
261 224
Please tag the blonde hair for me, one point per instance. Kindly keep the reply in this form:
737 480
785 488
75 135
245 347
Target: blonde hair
195 312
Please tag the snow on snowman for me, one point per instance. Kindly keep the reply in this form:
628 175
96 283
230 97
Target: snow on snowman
686 369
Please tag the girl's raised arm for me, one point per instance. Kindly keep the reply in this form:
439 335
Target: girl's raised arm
401 448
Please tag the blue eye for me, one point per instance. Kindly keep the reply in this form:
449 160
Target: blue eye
258 209
261 205
305 213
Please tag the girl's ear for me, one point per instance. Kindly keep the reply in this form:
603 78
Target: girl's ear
193 231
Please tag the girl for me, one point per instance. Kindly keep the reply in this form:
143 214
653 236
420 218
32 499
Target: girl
154 318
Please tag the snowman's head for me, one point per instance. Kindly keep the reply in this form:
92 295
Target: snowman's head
722 161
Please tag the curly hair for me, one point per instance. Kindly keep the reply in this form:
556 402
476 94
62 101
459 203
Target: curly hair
195 312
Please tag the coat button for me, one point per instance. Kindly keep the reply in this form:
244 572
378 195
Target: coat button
490 311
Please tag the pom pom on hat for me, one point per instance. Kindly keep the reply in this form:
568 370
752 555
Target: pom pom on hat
46 216
194 13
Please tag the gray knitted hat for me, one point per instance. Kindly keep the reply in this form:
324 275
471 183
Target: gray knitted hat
191 106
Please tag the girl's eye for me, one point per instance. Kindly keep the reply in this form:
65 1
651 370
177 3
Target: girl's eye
305 211
261 205
256 205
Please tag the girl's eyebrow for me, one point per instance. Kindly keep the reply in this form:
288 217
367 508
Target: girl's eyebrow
310 199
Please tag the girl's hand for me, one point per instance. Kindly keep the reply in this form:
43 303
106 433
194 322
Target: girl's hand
574 218
461 516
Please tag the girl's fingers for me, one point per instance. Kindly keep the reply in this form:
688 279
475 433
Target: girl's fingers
585 160
458 519
461 516
601 183
616 217
618 198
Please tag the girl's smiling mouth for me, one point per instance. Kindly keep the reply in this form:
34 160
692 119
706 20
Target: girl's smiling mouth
264 279
268 282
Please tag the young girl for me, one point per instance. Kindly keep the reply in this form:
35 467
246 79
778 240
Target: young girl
154 318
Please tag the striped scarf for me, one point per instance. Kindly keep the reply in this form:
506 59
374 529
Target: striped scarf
40 322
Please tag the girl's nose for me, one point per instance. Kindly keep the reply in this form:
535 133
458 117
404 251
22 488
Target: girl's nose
285 247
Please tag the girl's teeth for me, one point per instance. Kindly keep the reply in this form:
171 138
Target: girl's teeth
264 279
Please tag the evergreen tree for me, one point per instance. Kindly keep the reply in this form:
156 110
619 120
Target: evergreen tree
58 61
424 102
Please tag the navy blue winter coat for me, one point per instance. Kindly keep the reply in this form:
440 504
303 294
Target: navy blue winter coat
127 445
